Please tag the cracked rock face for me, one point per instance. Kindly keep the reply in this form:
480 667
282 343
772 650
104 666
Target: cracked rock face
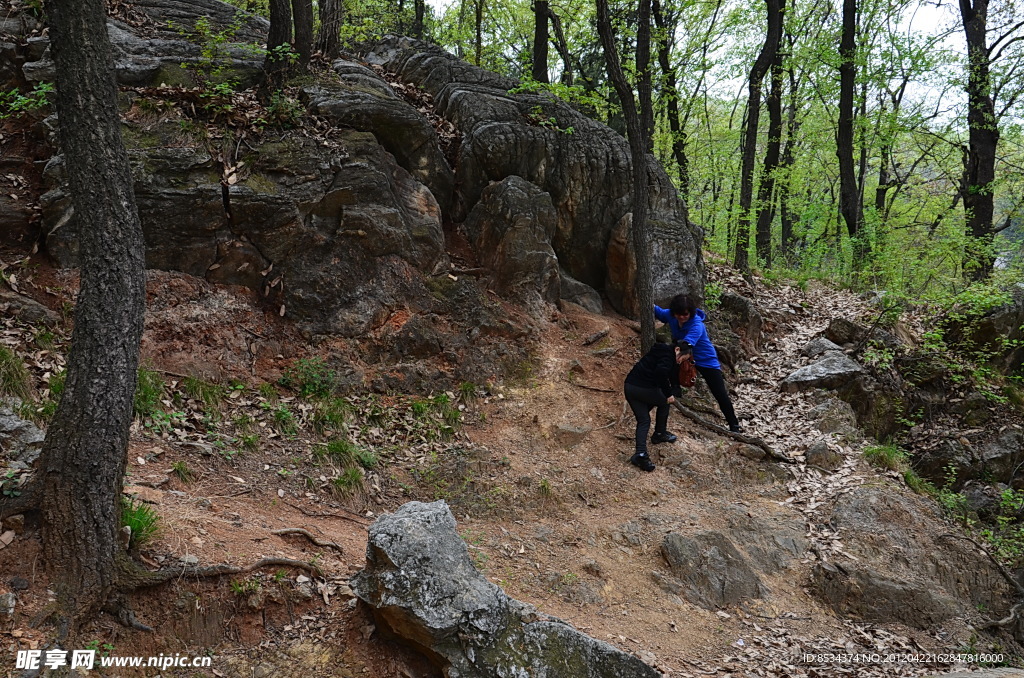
423 587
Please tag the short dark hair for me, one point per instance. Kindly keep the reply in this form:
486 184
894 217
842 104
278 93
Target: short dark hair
682 304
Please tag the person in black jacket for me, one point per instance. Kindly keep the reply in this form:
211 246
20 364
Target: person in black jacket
651 383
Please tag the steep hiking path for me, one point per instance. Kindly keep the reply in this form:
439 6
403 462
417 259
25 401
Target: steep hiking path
591 538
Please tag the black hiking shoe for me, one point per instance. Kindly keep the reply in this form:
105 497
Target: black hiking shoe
735 428
642 462
664 437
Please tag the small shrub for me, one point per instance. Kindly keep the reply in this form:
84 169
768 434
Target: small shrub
14 103
249 441
367 459
889 457
311 377
210 395
467 391
14 377
350 481
340 451
149 391
712 296
141 518
918 484
330 414
184 473
267 390
284 420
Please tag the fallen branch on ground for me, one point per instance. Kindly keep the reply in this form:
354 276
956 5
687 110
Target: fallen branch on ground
309 536
750 440
591 388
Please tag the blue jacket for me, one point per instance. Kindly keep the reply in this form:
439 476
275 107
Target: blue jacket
694 333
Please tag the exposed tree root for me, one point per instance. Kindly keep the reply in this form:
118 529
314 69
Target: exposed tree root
590 388
134 577
721 430
310 537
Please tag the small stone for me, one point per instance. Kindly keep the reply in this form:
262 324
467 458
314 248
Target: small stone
8 602
190 560
15 523
19 583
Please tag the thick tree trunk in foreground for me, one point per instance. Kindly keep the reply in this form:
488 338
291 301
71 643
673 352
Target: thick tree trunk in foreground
83 458
638 130
280 34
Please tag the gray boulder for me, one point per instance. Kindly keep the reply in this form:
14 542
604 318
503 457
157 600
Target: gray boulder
511 229
816 347
830 372
423 587
579 293
363 101
711 571
924 579
834 416
21 440
335 237
172 42
773 542
864 592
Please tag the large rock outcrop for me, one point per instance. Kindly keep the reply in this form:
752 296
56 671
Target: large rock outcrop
335 235
423 587
582 164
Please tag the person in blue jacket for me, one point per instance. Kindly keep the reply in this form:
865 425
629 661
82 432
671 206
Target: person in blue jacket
687 324
651 383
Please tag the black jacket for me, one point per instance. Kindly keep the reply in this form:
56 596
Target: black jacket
657 369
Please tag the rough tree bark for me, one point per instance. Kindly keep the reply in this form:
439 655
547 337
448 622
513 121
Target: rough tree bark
765 207
274 67
562 48
665 30
773 37
83 458
419 8
638 131
330 25
850 206
479 32
302 11
540 41
979 157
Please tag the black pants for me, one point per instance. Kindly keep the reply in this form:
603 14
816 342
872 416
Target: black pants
716 382
641 400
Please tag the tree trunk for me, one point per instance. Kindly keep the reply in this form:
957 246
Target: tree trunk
302 10
850 206
637 127
479 32
330 26
540 40
979 158
84 455
671 95
757 72
419 7
786 215
562 48
274 66
765 208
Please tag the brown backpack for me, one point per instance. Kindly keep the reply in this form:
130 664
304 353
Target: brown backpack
687 372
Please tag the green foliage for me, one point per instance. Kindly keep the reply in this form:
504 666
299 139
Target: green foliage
213 47
284 420
210 395
311 377
878 356
142 519
149 391
538 117
183 472
368 459
712 295
14 376
1006 536
284 111
889 457
340 451
246 587
14 103
331 414
348 482
10 484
